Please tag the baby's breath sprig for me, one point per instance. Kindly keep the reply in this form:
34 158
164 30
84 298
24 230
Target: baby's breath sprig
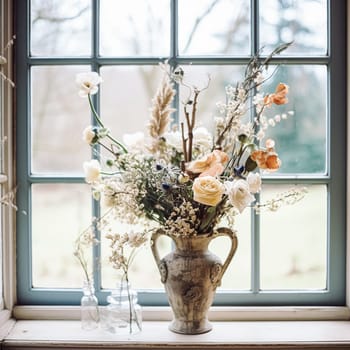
288 197
239 95
86 240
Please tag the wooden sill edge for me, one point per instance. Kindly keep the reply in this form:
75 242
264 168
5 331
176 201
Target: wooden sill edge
29 312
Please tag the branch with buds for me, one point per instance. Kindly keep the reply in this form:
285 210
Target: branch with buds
190 116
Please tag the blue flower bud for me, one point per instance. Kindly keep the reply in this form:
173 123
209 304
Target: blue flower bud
166 186
238 171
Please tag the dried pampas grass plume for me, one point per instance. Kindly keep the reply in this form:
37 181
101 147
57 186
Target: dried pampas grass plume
161 109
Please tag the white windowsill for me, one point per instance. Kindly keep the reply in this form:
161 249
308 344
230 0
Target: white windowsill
273 328
225 335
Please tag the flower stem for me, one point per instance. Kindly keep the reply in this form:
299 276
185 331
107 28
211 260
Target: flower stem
100 123
97 117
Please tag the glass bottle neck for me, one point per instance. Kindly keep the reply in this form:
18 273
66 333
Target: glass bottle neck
88 288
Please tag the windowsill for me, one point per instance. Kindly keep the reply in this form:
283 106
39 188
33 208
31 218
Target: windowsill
225 335
233 328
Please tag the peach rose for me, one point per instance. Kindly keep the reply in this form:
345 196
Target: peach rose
266 160
210 165
279 97
207 190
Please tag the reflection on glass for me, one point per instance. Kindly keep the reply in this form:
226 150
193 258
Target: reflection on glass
294 241
133 27
209 27
60 27
301 21
126 95
60 213
59 116
301 138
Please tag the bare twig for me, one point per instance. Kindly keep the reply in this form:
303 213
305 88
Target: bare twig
43 17
198 21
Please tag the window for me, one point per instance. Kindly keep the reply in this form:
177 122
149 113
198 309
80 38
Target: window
296 257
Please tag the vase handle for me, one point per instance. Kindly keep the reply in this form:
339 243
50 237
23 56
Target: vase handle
161 266
223 231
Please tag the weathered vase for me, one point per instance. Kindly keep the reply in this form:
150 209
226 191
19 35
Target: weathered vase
191 274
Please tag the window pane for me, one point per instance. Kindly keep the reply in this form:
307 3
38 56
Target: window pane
237 275
143 272
294 241
214 27
301 21
60 27
59 116
220 77
145 275
60 212
133 27
304 132
301 139
126 95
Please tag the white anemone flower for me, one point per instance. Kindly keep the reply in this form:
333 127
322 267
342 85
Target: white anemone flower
88 83
92 170
89 134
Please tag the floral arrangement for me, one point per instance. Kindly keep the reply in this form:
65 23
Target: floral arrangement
182 177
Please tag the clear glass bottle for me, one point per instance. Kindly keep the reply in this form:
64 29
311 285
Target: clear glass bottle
89 307
124 313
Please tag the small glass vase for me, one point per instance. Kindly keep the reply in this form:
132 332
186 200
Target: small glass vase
89 307
124 314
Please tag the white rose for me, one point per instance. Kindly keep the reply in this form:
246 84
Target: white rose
92 170
207 190
254 182
202 138
88 83
88 134
174 139
135 141
238 194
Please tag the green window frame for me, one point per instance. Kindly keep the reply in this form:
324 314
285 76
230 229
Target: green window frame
334 178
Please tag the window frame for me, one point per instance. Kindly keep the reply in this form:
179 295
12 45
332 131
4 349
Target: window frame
335 181
8 214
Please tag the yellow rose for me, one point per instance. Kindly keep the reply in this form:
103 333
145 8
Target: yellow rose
207 190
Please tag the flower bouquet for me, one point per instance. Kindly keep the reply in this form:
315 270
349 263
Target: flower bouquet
183 181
